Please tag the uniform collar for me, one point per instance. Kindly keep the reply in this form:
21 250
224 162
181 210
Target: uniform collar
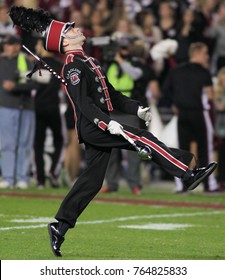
76 52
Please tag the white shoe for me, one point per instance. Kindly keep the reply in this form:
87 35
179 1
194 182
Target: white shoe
22 185
40 187
4 185
53 181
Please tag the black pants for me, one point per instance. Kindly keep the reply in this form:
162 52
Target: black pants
98 146
195 125
220 62
221 161
51 119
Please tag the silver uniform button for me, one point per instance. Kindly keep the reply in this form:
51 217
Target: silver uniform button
99 89
102 100
97 79
96 121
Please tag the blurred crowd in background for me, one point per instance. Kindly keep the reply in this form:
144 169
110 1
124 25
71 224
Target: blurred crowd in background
117 31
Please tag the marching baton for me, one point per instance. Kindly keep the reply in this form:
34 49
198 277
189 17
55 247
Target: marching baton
143 152
45 65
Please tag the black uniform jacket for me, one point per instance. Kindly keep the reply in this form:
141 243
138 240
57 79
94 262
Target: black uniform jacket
91 94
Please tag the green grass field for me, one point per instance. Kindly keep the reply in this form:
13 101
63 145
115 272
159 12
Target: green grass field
116 226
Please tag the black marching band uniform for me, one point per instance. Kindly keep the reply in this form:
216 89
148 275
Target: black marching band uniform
93 98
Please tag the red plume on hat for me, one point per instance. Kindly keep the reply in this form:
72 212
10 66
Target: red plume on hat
42 22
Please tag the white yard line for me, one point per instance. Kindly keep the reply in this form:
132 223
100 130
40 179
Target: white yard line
158 226
153 217
121 219
24 227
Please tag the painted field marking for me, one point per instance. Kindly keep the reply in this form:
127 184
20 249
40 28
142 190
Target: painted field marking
160 226
121 219
153 217
33 220
24 227
125 201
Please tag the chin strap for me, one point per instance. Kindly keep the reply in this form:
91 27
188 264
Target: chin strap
72 39
71 36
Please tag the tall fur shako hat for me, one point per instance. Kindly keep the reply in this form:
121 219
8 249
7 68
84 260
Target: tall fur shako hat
42 22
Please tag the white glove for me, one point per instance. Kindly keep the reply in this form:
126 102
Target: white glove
145 114
114 127
44 78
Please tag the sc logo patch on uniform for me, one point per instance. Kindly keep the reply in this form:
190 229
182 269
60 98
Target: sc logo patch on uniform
73 75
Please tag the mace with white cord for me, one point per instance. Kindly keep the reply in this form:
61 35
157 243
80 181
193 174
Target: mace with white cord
45 65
